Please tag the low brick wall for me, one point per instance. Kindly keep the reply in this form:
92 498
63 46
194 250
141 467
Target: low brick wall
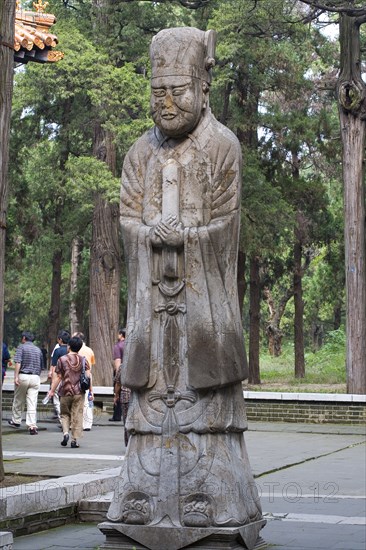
261 406
103 401
306 412
34 523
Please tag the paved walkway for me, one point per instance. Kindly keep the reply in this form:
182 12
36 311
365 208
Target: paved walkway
311 479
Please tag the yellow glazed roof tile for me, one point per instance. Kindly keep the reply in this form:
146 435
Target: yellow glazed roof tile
33 39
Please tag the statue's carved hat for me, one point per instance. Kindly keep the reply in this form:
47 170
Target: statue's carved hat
183 51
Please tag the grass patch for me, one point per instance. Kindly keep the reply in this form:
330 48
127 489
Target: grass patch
323 367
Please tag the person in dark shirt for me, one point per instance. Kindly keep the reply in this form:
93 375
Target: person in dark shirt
60 349
117 360
5 358
122 394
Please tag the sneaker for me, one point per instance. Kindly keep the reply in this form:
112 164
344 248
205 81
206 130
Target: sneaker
86 429
114 420
13 424
75 444
65 440
33 431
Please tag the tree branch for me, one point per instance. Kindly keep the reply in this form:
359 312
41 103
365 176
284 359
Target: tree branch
360 20
353 12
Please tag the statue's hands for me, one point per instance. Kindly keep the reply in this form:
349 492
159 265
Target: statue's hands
154 237
170 231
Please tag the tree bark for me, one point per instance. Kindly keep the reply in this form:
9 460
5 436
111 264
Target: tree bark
7 17
299 311
75 257
352 113
241 282
105 273
273 330
317 335
105 257
58 254
254 321
225 108
248 102
54 311
337 316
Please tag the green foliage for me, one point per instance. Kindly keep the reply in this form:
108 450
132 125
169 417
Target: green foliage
329 362
326 366
27 297
273 86
122 101
266 216
87 177
55 177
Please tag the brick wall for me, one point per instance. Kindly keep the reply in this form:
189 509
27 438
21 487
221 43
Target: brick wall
264 410
306 412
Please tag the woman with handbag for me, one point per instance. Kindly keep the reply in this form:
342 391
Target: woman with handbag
68 370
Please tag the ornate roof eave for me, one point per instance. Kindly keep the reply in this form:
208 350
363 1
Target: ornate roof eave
33 39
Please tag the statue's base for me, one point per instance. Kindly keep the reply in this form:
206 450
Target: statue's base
140 537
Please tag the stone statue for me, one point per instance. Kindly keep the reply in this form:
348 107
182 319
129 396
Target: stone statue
186 474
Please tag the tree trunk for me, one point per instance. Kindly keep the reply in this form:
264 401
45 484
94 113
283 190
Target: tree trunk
7 16
254 317
299 311
105 258
54 311
274 335
75 257
105 269
225 108
337 316
273 330
105 273
317 333
241 282
352 114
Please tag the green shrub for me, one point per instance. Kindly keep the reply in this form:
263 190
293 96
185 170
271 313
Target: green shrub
325 366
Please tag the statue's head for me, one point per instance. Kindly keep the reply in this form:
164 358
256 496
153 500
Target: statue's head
181 61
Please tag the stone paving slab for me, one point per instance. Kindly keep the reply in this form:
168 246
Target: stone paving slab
102 447
286 446
314 479
344 507
280 535
79 536
341 473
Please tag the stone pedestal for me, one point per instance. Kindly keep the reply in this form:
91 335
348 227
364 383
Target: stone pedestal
6 540
151 537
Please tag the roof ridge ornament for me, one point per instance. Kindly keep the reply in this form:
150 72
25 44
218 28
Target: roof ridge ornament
40 6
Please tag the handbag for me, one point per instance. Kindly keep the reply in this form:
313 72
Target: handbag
84 379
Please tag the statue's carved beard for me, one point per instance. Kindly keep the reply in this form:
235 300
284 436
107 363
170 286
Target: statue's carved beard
175 122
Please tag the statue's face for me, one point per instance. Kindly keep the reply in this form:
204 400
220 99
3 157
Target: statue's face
177 103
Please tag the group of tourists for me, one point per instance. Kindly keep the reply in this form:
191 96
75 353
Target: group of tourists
73 407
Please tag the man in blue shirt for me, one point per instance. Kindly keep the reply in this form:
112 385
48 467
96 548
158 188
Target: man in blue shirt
28 365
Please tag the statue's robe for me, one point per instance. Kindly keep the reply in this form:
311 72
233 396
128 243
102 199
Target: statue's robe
184 355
